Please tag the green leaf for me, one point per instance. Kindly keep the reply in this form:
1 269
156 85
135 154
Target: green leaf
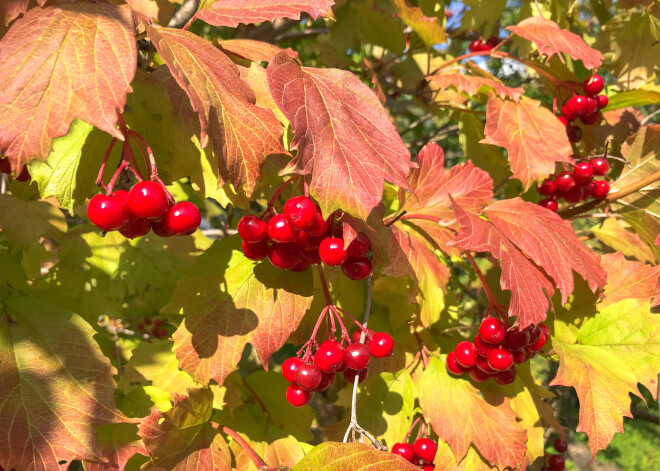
615 234
282 453
428 28
379 28
118 443
24 222
333 456
488 158
481 16
649 95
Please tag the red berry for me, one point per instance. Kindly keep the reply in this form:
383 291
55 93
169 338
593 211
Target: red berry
560 445
404 450
574 133
381 345
350 375
252 229
158 322
302 265
570 116
565 181
357 268
304 241
297 396
492 42
106 212
476 45
280 231
122 195
599 189
320 226
483 348
466 354
534 334
590 119
159 229
478 375
140 326
355 336
428 467
505 377
182 218
24 175
452 366
600 165
357 356
516 338
590 107
544 329
147 320
148 200
329 356
492 330
136 228
289 368
425 449
311 256
500 359
255 250
284 256
332 251
482 364
556 463
563 120
593 85
5 165
549 203
578 193
602 101
308 376
518 355
538 345
547 188
583 172
300 212
575 105
326 381
359 246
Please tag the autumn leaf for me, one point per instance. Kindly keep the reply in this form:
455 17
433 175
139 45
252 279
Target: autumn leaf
282 454
628 279
48 353
227 302
550 39
428 28
343 136
471 84
243 133
533 137
256 51
234 12
380 235
616 234
604 361
37 219
462 415
181 439
118 444
60 63
334 456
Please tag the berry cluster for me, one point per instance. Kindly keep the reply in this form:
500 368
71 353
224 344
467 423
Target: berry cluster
422 452
556 462
317 373
5 167
478 45
153 326
496 351
145 207
578 185
585 107
299 237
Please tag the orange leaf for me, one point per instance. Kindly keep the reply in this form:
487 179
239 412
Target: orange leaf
333 456
532 135
233 12
61 63
471 84
256 51
628 279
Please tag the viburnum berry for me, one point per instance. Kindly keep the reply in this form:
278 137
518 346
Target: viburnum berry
279 229
600 166
289 368
583 172
466 354
302 265
549 203
320 226
252 229
547 188
359 246
538 345
350 375
381 345
158 228
516 338
579 192
428 467
312 256
505 377
602 101
332 251
355 336
296 396
575 105
425 449
326 381
182 218
308 376
106 212
563 120
329 356
590 107
500 359
479 376
148 200
482 364
518 355
560 445
483 348
300 212
573 133
404 450
492 330
135 228
254 250
492 42
556 463
593 85
568 114
590 119
565 181
452 365
599 189
476 45
357 356
284 256
357 268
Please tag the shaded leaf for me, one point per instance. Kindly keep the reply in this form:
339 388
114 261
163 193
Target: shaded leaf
550 39
61 63
628 280
481 16
234 12
161 10
343 135
256 51
118 444
24 222
334 456
647 228
533 137
614 233
374 26
380 236
471 84
282 453
428 28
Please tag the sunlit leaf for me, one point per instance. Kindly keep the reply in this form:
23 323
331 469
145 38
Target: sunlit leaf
628 280
280 453
234 12
118 443
615 234
428 28
333 456
471 84
256 51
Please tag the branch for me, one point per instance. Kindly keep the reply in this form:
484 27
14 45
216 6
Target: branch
254 457
184 14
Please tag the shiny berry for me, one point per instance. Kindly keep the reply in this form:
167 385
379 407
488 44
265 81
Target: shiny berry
404 450
492 42
575 105
479 376
602 101
518 355
106 212
428 467
556 463
284 256
560 445
381 345
254 250
452 366
326 381
505 377
355 336
289 368
359 246
492 330
308 376
332 251
600 165
302 265
547 188
590 107
466 354
563 120
182 218
425 449
568 114
252 229
516 338
549 203
297 396
590 119
300 212
311 256
538 345
357 268
159 229
350 375
583 172
482 364
329 356
136 228
565 181
500 359
593 85
280 231
573 133
357 356
578 193
544 329
599 189
320 226
483 348
476 45
148 200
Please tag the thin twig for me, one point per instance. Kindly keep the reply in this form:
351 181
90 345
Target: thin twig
649 117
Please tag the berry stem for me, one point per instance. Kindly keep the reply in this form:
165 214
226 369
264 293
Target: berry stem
150 155
324 284
306 187
342 326
412 427
141 143
482 278
307 347
254 457
99 178
362 328
396 218
271 201
113 180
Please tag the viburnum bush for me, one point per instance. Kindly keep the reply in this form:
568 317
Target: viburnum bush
319 235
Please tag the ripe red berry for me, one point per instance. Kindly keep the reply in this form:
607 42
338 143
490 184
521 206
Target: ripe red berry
329 356
573 133
505 377
428 467
404 450
254 250
136 228
593 85
602 101
308 376
425 449
320 226
479 376
381 345
583 172
547 188
355 336
359 246
332 251
289 368
565 181
544 329
326 381
302 265
482 364
148 200
549 203
578 193
590 119
357 268
516 338
350 375
590 107
560 445
466 354
357 356
300 212
452 365
483 348
24 175
158 228
599 189
252 229
140 326
556 463
600 165
284 256
575 105
500 359
538 345
563 120
297 396
518 355
182 218
492 330
568 114
476 45
492 42
311 256
280 231
106 212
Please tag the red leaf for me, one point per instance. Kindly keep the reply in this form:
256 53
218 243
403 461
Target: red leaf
344 138
532 135
61 63
233 12
471 84
118 443
628 279
550 39
243 133
256 51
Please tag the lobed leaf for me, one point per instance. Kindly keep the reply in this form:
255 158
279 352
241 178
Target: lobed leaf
428 28
256 51
614 233
334 456
471 84
24 222
280 454
118 443
234 12
628 280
